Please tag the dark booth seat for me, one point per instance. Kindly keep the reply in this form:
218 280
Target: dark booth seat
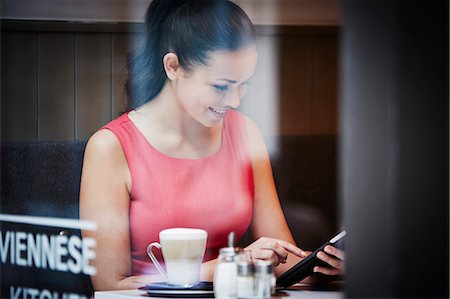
43 179
305 173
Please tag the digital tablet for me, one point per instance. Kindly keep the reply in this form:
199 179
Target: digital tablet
305 267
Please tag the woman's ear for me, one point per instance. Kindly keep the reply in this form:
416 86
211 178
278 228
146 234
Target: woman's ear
171 65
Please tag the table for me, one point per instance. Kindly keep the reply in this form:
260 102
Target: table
297 293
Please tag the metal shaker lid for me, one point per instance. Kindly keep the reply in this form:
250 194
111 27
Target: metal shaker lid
263 267
245 268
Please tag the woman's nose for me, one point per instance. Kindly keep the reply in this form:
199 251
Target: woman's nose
233 99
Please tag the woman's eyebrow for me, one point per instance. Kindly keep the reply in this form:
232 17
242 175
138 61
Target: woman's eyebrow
228 80
233 81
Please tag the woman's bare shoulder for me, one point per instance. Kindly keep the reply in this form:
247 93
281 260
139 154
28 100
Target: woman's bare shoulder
250 125
103 147
104 159
103 141
256 141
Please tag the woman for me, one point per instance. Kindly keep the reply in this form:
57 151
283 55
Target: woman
180 156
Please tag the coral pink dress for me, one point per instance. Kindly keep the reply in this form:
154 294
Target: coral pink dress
213 193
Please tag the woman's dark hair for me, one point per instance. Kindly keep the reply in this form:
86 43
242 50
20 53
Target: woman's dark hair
189 28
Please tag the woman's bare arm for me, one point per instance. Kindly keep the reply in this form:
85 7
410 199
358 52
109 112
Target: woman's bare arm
104 198
269 227
268 220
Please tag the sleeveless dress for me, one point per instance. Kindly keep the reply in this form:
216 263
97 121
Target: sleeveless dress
214 193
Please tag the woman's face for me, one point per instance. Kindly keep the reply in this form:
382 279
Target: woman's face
207 92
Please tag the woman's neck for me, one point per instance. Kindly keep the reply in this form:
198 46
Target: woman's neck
170 129
171 117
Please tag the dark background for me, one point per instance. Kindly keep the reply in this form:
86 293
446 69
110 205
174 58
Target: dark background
394 157
382 149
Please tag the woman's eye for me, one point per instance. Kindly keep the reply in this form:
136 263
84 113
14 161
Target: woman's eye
221 87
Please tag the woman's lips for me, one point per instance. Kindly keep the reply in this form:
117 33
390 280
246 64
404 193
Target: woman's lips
218 112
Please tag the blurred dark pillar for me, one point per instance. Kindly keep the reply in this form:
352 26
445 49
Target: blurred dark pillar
395 153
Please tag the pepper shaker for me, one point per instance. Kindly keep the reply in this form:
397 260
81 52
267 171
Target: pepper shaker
264 279
245 280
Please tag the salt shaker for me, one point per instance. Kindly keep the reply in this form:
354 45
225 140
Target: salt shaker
226 271
245 280
264 279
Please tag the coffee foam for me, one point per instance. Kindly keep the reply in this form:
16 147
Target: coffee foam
183 234
176 249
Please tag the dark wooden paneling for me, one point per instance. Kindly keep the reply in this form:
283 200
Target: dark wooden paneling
137 27
325 82
93 88
120 45
295 81
18 85
80 83
71 27
56 86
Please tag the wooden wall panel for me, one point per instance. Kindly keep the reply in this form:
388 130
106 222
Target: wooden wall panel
18 86
295 77
120 45
77 82
93 83
325 86
56 86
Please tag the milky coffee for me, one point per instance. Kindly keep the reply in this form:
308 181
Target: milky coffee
183 250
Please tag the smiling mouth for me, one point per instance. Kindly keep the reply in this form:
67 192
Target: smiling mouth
218 112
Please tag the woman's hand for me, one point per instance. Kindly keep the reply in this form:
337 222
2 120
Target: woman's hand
274 250
333 257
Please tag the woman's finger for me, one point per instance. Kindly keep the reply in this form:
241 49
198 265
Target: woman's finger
292 248
279 250
326 271
333 262
334 251
275 250
267 255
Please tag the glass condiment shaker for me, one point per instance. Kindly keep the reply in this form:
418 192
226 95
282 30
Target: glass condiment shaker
245 282
225 274
264 279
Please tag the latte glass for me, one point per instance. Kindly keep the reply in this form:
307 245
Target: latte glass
183 250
